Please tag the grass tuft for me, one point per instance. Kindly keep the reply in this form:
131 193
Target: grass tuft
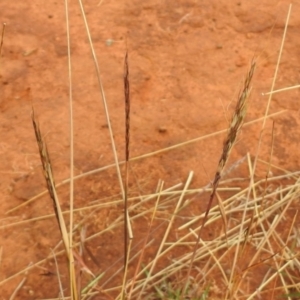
249 249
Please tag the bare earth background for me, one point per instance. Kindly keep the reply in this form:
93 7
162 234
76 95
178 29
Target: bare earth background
187 60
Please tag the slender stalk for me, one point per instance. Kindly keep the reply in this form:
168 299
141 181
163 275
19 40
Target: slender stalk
71 260
15 292
235 125
114 150
127 232
235 259
127 143
48 174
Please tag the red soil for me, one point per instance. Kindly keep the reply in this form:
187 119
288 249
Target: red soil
187 61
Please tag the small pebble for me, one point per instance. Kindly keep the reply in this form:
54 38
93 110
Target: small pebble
162 129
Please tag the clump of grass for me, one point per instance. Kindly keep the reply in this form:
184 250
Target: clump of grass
181 248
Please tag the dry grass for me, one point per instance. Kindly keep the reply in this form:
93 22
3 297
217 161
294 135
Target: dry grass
266 210
234 128
244 247
49 177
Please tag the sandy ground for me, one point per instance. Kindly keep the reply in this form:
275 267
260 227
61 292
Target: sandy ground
187 61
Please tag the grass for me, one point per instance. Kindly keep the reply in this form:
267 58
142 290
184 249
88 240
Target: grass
242 247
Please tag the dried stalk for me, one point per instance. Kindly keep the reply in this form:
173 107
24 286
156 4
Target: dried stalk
48 174
235 125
